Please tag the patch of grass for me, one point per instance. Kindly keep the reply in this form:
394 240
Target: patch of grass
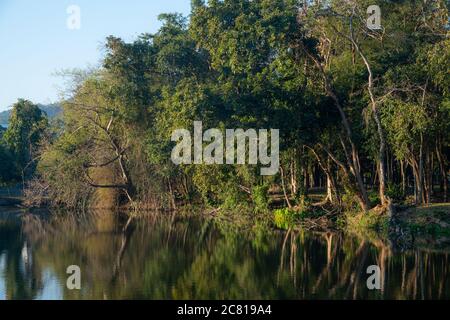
433 219
286 218
432 229
372 220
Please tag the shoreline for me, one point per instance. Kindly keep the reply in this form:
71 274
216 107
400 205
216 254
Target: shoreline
412 227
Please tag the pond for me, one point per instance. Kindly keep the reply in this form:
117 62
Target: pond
165 256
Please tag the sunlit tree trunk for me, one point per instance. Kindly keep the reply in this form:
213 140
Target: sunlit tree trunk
444 183
376 116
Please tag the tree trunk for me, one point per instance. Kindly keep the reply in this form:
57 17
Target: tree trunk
376 116
293 176
418 190
402 172
283 185
441 160
421 194
380 131
332 193
354 159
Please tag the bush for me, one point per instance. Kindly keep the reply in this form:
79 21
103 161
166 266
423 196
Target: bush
285 218
349 201
395 192
374 197
260 198
370 220
231 198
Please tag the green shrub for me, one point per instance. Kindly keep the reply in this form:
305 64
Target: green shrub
260 198
231 197
349 201
285 218
374 197
395 192
370 220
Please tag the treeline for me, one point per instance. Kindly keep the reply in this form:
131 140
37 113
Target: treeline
363 113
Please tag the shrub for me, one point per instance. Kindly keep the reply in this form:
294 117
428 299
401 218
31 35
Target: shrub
374 197
285 218
349 201
260 198
370 220
395 192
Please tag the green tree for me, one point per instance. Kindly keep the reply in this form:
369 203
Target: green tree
27 125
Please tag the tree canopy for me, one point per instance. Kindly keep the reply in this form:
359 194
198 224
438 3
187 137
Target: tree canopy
363 113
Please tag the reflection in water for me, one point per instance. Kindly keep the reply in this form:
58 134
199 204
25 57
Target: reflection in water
168 257
19 278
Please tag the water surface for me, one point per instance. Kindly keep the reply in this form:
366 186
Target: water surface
162 256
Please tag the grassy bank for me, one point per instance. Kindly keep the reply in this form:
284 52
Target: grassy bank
432 219
410 226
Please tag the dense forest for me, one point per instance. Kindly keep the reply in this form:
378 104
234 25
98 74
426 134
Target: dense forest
363 114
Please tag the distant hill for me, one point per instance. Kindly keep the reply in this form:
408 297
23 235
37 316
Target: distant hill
52 110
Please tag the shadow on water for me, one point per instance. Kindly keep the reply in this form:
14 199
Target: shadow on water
164 256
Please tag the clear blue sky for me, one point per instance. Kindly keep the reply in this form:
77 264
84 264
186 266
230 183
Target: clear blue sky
35 40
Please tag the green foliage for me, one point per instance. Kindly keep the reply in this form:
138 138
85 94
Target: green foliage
260 198
350 201
371 220
27 126
51 110
432 220
395 192
60 166
305 203
256 64
374 197
7 166
285 218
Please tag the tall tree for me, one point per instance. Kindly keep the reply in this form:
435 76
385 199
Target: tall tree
27 125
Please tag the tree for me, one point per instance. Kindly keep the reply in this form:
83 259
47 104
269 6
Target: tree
27 125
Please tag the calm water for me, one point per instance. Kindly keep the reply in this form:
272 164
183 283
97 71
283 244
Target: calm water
165 257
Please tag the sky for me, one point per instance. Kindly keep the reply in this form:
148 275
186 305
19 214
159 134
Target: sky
36 41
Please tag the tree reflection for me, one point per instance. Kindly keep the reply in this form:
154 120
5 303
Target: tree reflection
165 256
18 273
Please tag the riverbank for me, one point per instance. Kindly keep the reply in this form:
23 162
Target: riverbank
409 226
